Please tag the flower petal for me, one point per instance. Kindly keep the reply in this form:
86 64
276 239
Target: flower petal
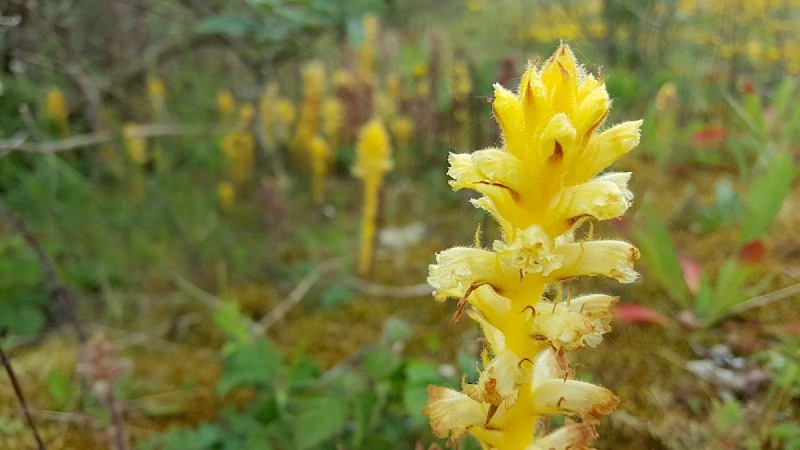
573 397
610 258
452 412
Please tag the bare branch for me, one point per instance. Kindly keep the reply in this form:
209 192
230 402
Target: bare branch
296 296
101 137
21 399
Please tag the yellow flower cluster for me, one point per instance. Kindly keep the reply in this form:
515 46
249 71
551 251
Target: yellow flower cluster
138 154
156 93
57 111
540 186
366 53
373 160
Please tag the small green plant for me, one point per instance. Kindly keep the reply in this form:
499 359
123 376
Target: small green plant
23 296
709 298
376 403
768 129
711 294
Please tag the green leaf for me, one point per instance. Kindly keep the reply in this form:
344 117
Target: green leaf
235 325
21 318
415 396
257 363
658 252
396 330
766 196
381 363
422 372
319 419
337 294
233 26
60 387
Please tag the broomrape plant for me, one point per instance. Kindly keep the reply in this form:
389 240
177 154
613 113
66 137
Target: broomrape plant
540 186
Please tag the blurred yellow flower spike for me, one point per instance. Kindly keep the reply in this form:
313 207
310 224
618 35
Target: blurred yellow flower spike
156 93
540 186
57 110
373 160
226 105
320 153
239 150
226 192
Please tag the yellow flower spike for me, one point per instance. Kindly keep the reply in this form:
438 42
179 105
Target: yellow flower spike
285 110
267 108
226 105
373 160
366 54
156 93
239 150
332 117
57 110
135 144
540 186
314 81
226 192
246 114
320 153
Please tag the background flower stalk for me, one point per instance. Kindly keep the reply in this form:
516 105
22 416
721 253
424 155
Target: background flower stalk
541 186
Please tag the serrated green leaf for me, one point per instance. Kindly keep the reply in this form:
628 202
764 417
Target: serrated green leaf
254 363
319 419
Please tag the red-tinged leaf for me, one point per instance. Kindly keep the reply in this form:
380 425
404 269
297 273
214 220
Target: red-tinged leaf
635 313
692 273
752 252
787 329
710 136
748 87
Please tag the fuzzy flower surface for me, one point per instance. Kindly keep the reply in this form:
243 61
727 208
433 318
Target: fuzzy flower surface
541 186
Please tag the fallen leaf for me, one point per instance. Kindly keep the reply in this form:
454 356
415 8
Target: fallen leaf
635 313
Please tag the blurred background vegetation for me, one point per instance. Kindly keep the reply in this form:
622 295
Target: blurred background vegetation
180 222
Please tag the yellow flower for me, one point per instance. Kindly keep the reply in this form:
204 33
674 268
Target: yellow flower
239 150
57 110
135 144
156 93
540 186
227 195
373 160
320 153
286 111
226 105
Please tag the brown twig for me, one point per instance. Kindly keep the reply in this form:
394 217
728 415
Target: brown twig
21 399
101 137
766 299
279 311
382 290
57 290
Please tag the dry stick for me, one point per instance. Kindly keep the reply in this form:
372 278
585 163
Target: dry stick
766 299
117 422
58 291
21 398
101 137
382 290
279 311
373 289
